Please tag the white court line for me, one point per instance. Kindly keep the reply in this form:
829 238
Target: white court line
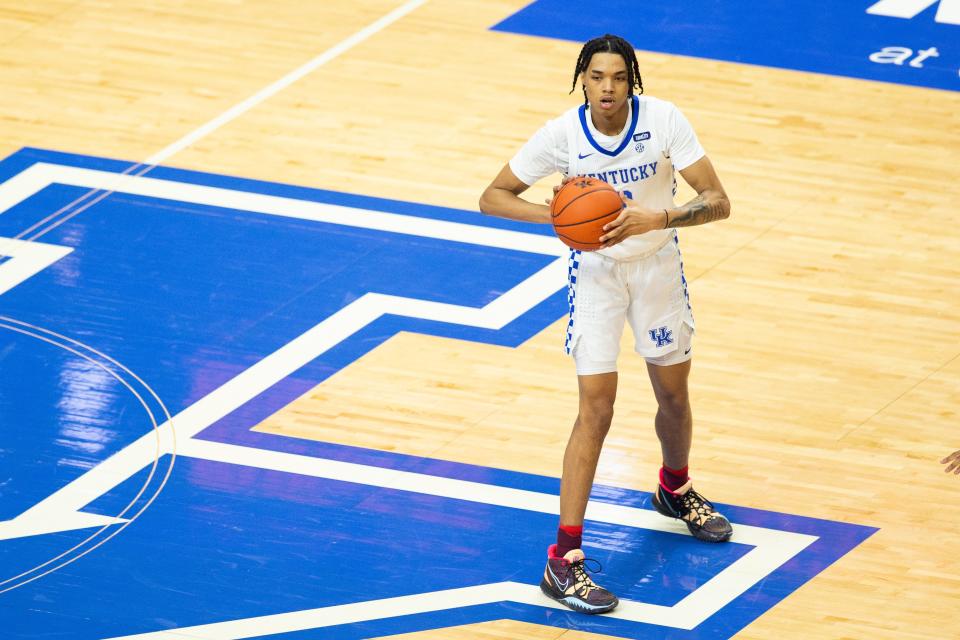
284 82
62 505
354 612
227 116
772 547
26 260
494 315
41 175
249 384
88 545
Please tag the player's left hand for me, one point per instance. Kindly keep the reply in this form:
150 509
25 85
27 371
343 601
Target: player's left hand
953 462
633 220
557 187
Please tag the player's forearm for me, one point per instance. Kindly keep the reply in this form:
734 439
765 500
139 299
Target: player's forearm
506 204
707 207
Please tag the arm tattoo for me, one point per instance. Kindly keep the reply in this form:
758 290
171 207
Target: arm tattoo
700 211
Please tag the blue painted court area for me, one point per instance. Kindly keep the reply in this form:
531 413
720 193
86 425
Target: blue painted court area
190 295
914 42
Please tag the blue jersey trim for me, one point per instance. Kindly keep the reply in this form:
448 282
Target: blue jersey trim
626 139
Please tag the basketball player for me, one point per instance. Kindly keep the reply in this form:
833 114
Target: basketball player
635 143
953 462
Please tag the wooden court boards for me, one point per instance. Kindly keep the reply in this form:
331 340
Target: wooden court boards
265 370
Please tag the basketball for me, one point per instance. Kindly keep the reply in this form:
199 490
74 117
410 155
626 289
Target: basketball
581 208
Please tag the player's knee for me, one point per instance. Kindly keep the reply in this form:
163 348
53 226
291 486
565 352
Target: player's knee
675 404
596 417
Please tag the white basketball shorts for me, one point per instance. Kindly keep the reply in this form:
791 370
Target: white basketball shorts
650 293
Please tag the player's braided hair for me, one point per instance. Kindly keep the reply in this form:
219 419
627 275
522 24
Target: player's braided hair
609 44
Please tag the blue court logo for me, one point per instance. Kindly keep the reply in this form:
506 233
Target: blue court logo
661 336
902 41
500 284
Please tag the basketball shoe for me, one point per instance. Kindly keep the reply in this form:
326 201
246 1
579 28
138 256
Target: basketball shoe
566 581
703 521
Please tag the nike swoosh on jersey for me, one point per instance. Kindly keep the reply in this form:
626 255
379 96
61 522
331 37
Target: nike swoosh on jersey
582 156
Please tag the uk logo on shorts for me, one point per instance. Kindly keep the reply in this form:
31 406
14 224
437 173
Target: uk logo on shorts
661 336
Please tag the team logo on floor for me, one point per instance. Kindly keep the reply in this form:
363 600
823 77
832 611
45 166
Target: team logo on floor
228 299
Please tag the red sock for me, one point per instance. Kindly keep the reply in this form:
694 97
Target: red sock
568 538
673 479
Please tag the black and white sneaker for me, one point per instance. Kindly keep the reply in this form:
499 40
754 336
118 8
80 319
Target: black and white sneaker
566 581
703 521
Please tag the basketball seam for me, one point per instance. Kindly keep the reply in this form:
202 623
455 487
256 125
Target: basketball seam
579 241
574 224
574 199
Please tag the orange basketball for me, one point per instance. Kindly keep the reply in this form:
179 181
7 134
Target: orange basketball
581 208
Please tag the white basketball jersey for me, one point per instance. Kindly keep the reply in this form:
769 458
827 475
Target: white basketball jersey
639 161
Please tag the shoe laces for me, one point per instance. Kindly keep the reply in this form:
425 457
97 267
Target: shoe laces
584 583
693 502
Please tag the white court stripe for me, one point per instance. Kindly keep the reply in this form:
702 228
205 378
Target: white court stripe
273 368
771 549
284 206
73 208
284 82
342 324
21 186
227 116
455 489
26 260
354 612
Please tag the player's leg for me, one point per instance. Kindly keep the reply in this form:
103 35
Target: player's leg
662 322
565 578
675 496
674 419
597 395
597 306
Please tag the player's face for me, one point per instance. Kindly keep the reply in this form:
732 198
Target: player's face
606 84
